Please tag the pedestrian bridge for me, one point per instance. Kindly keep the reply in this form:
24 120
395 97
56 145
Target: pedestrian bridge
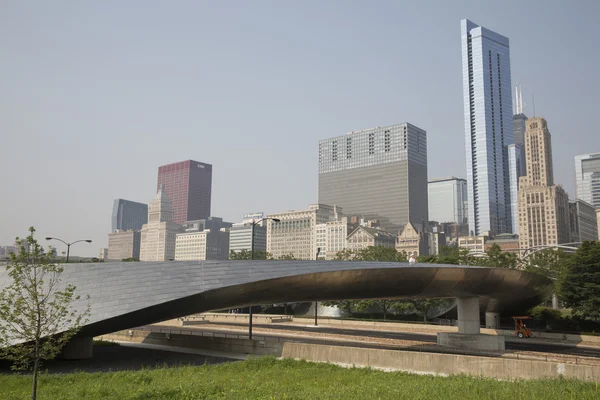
130 294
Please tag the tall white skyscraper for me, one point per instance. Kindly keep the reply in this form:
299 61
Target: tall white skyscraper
488 128
587 178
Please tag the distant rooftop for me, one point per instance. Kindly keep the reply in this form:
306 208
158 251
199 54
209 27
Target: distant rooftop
452 178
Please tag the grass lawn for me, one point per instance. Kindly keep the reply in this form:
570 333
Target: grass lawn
269 378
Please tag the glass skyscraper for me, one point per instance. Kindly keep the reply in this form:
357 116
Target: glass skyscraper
448 200
128 215
488 128
516 160
587 178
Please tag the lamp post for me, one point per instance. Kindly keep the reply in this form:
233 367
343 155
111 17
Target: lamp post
254 223
69 244
317 258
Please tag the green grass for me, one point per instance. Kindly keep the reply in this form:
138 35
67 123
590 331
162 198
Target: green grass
268 378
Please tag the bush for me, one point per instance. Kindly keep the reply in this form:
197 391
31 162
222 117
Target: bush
545 313
546 317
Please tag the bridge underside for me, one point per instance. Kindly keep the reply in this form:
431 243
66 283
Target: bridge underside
125 295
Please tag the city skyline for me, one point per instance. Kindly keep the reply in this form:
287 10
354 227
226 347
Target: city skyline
425 91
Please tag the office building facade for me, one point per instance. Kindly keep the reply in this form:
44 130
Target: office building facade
103 254
6 250
332 236
202 245
587 178
448 200
488 127
411 242
543 206
128 215
159 234
123 244
435 242
378 173
506 241
583 221
598 219
240 237
364 237
295 234
188 184
475 244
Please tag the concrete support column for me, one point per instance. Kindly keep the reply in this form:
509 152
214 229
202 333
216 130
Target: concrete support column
492 320
468 315
78 348
555 302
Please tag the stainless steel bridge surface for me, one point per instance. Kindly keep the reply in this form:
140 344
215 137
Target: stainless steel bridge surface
130 294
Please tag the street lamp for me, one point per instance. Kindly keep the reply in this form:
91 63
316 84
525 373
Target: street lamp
254 223
317 258
69 244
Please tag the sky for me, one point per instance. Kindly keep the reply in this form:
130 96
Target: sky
95 95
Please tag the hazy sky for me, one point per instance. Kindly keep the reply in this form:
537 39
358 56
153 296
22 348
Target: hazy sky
95 95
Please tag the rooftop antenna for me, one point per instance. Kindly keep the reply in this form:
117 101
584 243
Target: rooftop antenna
518 99
533 103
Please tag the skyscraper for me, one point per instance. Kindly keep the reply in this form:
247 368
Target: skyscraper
448 200
188 184
519 121
159 234
543 206
587 178
516 159
378 173
488 127
584 222
128 215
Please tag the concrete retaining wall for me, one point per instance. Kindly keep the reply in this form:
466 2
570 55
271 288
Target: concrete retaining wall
390 325
573 338
226 344
441 364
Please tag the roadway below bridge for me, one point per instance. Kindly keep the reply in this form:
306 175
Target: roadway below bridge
357 337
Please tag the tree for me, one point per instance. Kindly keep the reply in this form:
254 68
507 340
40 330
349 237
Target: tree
580 282
371 253
384 306
130 259
549 263
496 258
424 305
36 314
247 255
346 255
288 257
456 256
380 253
348 305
